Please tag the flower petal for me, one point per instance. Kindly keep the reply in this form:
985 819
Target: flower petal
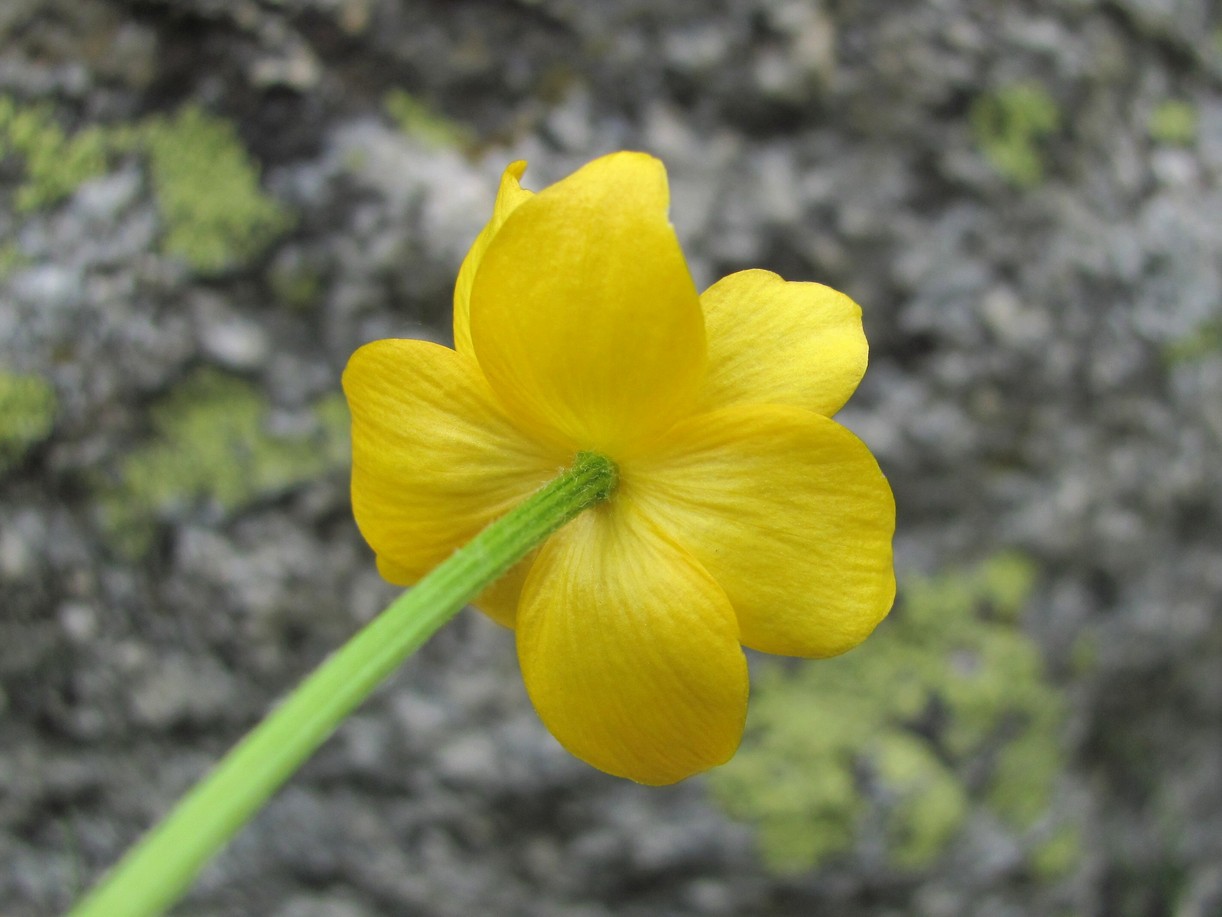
583 314
630 650
434 459
511 194
500 600
776 342
790 514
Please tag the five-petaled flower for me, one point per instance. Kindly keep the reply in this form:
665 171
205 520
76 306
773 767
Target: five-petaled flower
743 514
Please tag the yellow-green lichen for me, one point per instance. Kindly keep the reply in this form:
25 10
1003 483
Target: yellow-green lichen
11 258
1173 123
1058 855
1200 344
207 187
421 123
1010 125
212 452
948 685
51 164
27 414
926 802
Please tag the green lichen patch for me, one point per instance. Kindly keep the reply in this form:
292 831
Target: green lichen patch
1010 126
1059 854
1200 344
420 122
27 414
213 453
943 709
50 163
206 184
11 258
929 802
207 187
1173 123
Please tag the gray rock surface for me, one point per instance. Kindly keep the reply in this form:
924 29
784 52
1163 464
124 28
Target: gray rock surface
1046 376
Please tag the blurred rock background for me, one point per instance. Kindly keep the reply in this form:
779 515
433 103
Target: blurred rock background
206 205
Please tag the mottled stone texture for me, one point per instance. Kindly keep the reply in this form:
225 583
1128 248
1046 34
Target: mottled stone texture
206 205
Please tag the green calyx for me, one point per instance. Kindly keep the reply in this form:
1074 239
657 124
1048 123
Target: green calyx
602 475
589 481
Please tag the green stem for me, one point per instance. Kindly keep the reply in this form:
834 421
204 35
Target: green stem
160 867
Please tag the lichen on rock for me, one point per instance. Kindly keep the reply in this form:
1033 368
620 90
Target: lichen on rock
213 452
27 414
52 162
207 187
949 708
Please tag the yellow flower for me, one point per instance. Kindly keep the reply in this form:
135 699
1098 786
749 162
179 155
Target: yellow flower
743 514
